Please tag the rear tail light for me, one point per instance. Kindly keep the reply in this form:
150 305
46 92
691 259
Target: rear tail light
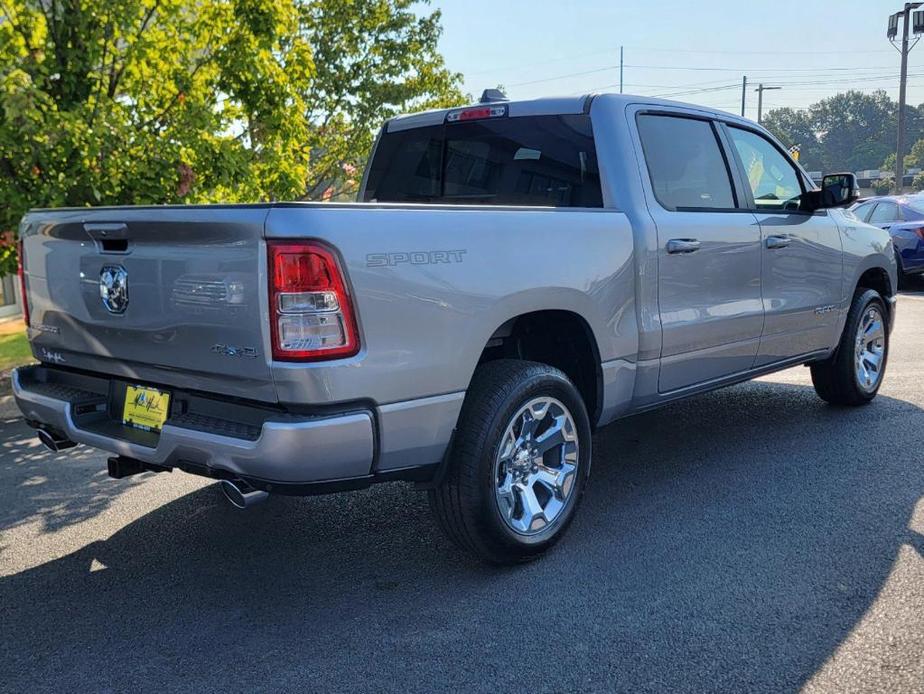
310 308
20 270
919 232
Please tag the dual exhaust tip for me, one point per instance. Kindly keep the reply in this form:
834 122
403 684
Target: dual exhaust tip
242 495
238 493
54 441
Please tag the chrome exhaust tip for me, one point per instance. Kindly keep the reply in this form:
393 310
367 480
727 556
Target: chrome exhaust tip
54 442
242 495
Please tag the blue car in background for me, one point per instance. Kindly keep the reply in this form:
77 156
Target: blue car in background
903 217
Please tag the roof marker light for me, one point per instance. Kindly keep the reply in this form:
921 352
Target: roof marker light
477 113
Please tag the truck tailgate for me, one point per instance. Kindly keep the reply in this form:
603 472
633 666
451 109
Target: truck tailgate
168 295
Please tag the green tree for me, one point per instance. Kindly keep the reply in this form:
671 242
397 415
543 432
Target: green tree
889 163
916 156
794 127
883 186
149 101
856 130
173 101
373 59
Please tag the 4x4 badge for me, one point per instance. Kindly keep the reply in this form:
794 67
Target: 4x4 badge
113 288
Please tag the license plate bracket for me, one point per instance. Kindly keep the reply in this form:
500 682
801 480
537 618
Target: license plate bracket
145 408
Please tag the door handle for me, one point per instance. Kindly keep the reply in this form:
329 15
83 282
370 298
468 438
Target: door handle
682 246
778 242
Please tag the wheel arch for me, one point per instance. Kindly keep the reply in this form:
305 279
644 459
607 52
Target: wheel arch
561 338
877 278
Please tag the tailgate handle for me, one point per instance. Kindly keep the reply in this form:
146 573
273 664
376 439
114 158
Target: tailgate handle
109 237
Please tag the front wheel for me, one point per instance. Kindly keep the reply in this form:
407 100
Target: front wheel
853 375
518 463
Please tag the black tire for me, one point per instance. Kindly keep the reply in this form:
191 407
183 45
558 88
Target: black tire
465 503
835 379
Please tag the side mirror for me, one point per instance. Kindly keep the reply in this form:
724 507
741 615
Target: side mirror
839 190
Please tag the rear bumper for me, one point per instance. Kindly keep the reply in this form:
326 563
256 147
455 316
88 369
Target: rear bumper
271 447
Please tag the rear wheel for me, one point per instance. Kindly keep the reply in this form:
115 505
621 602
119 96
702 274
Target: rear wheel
518 465
853 375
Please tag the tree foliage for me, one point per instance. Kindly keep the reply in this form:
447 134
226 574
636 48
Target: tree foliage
856 130
156 101
794 127
883 186
174 101
851 131
914 158
373 59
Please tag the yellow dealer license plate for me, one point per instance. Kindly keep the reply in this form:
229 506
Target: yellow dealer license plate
145 408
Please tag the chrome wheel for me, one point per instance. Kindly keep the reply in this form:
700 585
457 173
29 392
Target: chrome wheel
869 351
536 466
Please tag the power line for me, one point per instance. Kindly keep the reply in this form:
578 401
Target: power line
749 69
704 90
562 77
644 49
809 72
551 61
680 89
850 80
789 85
723 52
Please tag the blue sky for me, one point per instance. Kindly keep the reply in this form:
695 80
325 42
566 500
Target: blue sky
811 48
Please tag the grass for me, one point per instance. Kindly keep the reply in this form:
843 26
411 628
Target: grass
14 349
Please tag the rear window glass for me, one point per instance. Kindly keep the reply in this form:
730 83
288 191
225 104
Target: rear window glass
537 160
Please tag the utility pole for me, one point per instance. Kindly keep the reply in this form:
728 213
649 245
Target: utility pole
620 69
905 48
744 93
760 99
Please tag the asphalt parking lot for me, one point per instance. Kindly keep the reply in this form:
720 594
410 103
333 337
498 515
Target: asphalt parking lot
753 539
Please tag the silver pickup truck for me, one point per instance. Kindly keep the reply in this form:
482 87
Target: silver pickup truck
516 275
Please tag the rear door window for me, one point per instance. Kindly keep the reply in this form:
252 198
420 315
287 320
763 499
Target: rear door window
862 211
884 213
686 165
535 160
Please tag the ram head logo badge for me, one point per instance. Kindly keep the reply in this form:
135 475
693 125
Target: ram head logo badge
113 288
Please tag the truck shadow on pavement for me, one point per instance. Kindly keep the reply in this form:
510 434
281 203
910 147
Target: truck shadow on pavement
730 542
54 489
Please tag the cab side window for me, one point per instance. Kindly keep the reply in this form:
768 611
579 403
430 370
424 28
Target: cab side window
773 179
686 165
